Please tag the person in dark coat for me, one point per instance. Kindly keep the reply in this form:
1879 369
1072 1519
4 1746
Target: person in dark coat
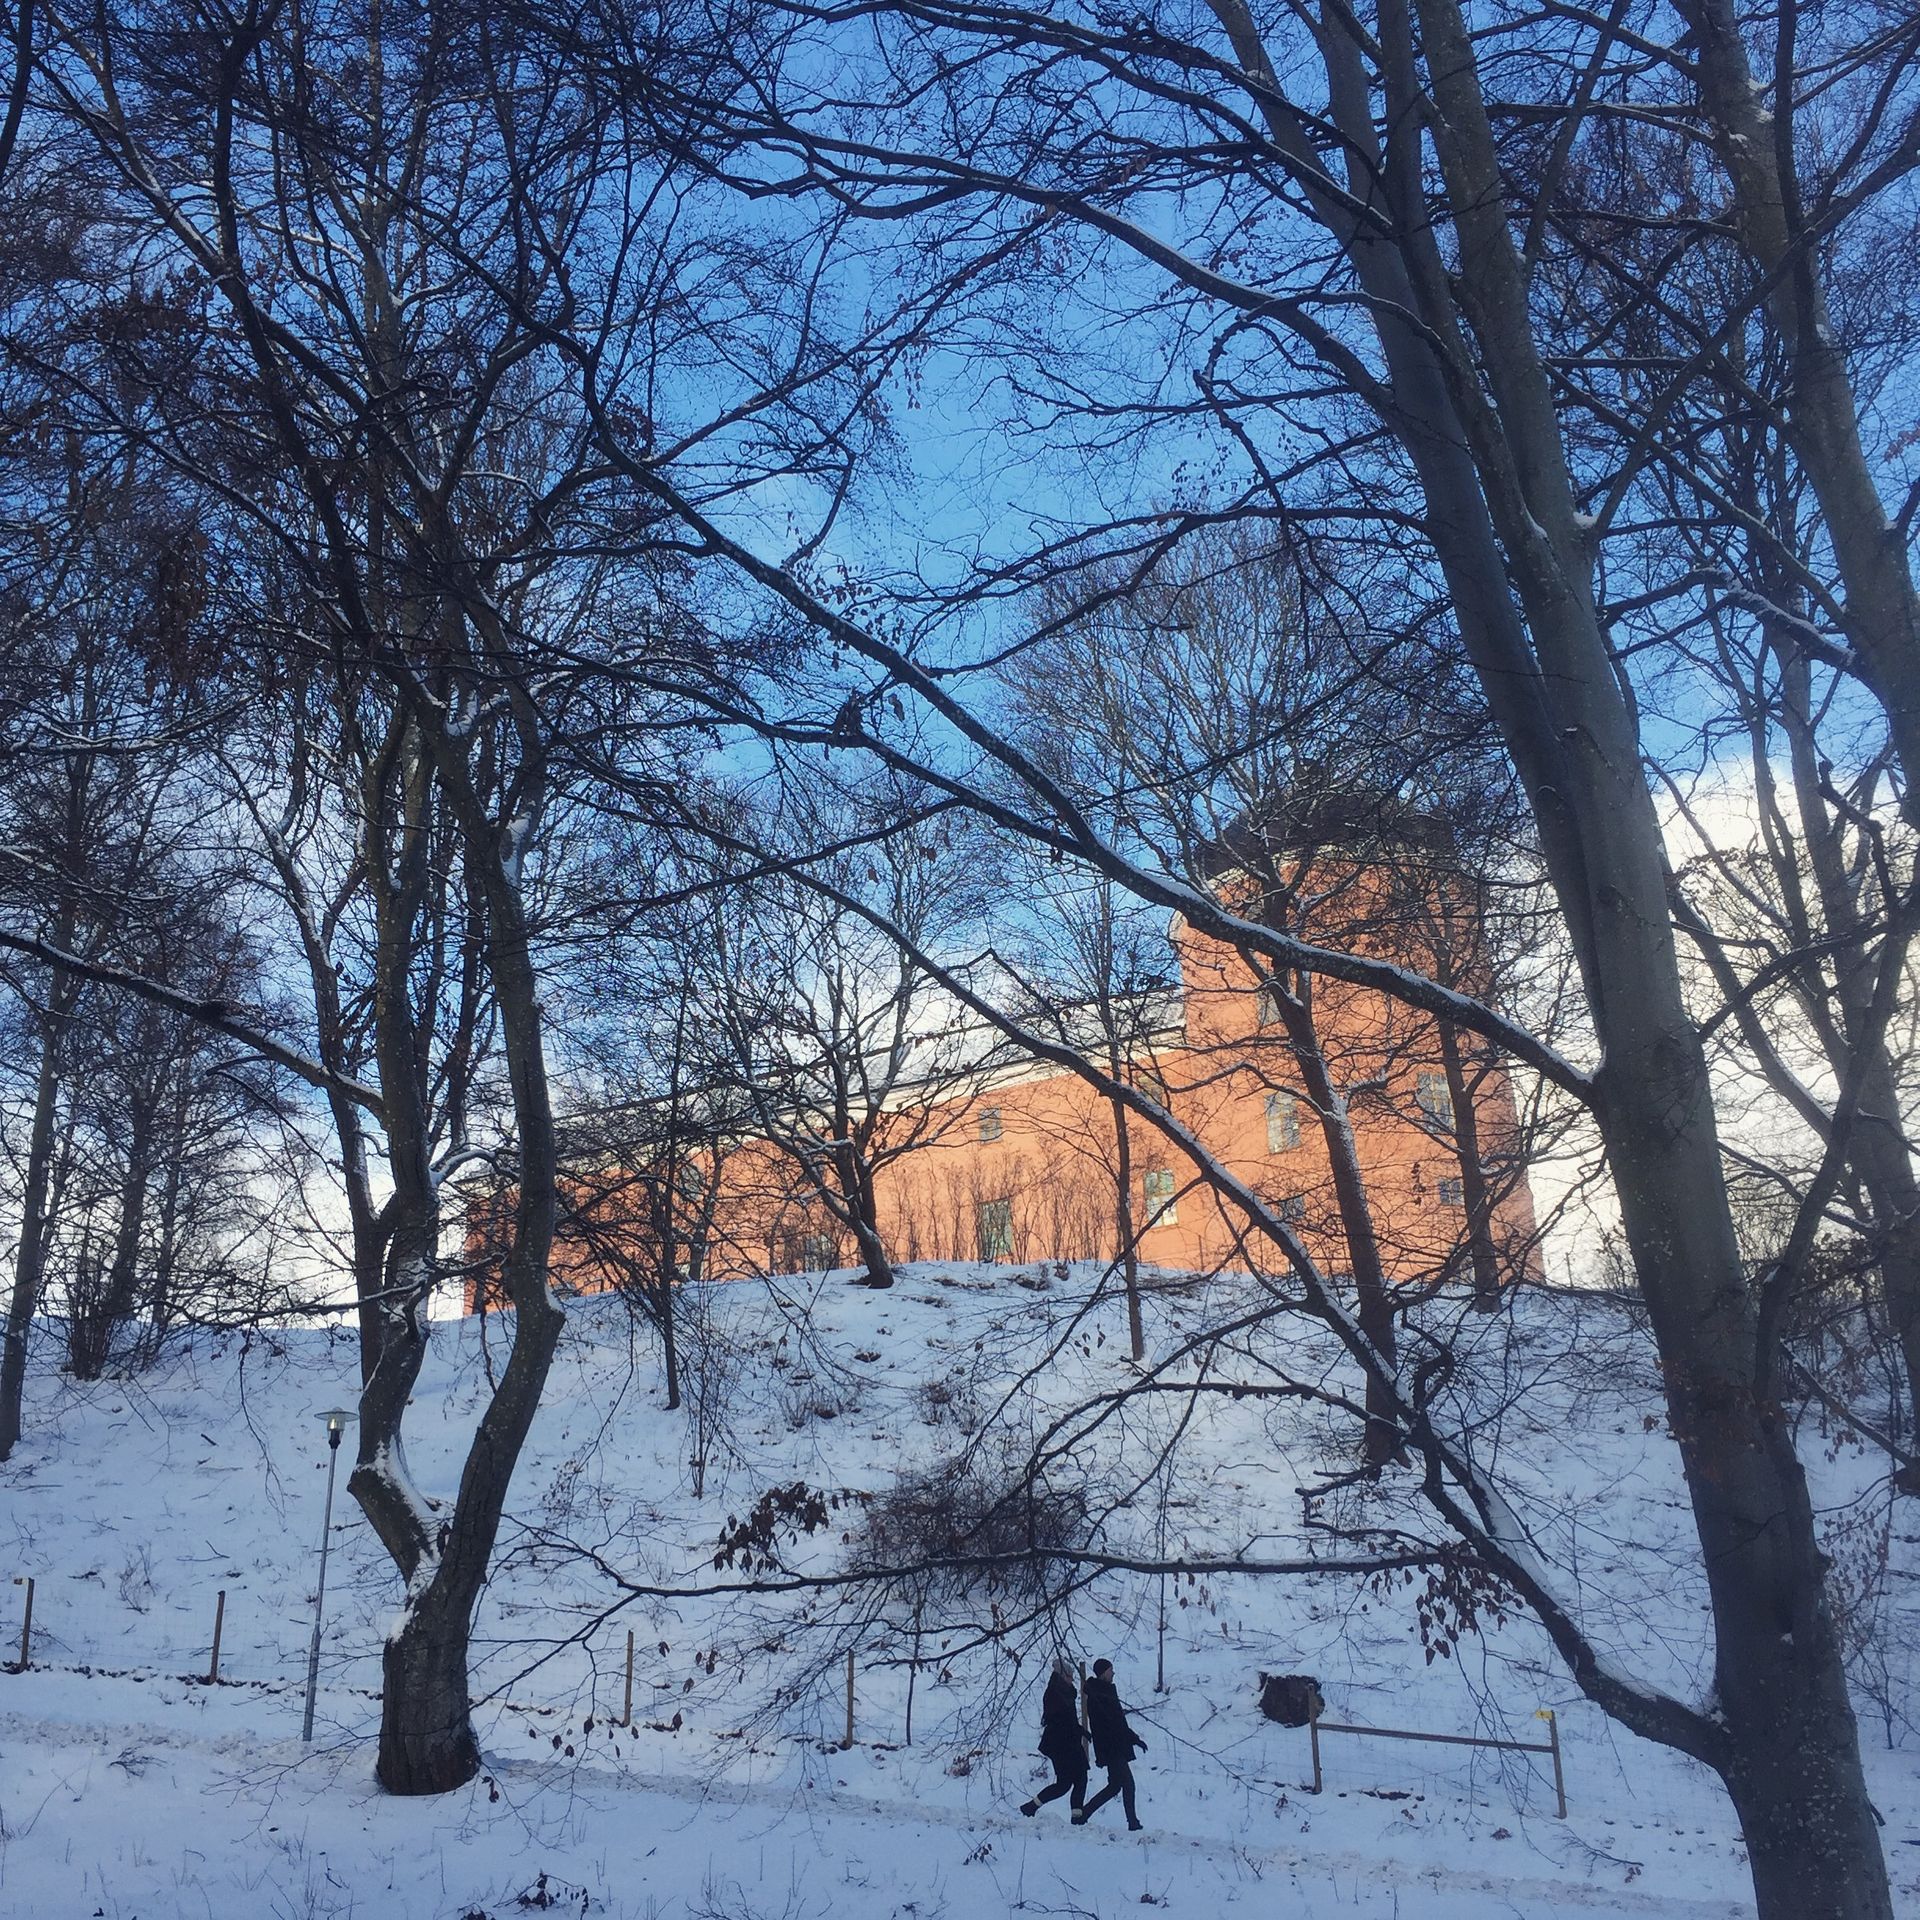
1114 1745
1062 1740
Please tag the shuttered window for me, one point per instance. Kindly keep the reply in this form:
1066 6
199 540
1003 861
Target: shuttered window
996 1230
1283 1122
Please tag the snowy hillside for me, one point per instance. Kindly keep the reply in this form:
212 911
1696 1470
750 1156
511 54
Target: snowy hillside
132 1788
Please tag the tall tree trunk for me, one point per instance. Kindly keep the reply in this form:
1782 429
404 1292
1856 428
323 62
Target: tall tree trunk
1474 1192
63 992
90 1334
426 1736
1882 614
30 1262
1123 1220
1791 1758
429 1643
1500 512
1878 1150
1373 1294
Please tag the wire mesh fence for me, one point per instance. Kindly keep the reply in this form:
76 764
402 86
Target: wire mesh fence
546 1654
109 1621
115 1621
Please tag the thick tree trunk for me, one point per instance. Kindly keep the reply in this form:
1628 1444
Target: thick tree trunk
426 1739
873 1252
1500 513
427 1743
1792 1748
1791 1756
1794 1774
858 1200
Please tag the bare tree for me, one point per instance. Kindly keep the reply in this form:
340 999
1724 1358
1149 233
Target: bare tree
1351 282
462 628
847 1055
415 596
1097 973
177 1135
1240 732
649 1131
104 711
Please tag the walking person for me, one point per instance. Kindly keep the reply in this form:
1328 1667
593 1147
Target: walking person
1062 1740
1114 1745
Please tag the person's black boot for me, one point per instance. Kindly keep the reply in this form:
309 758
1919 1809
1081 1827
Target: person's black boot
1079 1816
1029 1807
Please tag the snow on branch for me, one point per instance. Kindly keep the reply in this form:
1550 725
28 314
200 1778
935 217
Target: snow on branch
216 1015
1075 833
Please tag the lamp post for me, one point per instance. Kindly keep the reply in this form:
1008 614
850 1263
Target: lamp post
336 1419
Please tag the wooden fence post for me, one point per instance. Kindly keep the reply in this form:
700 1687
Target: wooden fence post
1313 1736
26 1623
219 1623
913 1670
626 1716
1553 1741
848 1741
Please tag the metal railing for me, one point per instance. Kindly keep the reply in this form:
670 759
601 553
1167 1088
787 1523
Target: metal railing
1550 1746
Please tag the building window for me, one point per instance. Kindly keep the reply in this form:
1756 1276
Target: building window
996 1230
1283 1122
990 1127
1163 1210
1452 1191
813 1252
1293 1209
1432 1098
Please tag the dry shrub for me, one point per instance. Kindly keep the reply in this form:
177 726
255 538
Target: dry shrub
972 1525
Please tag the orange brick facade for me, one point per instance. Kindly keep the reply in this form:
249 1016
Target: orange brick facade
1021 1166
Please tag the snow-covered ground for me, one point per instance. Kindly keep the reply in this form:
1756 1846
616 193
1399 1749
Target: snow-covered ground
128 1787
